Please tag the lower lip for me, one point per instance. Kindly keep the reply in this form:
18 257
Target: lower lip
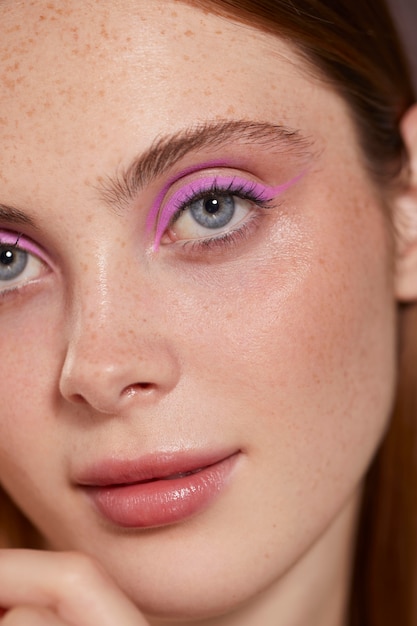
165 501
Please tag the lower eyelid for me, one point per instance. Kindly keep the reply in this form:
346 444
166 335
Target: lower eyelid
224 240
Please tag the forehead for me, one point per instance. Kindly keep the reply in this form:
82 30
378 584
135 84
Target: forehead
85 85
76 58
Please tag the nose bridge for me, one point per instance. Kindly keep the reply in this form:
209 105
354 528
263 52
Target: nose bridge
117 351
100 305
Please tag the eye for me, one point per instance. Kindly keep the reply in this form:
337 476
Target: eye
208 206
18 265
211 214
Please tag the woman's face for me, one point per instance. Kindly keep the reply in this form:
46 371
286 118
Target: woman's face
207 281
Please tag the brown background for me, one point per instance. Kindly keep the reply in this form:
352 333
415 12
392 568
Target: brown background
406 13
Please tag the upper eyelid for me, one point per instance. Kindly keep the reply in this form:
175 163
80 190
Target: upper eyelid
18 240
218 184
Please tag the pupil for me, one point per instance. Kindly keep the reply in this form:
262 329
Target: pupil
212 206
7 257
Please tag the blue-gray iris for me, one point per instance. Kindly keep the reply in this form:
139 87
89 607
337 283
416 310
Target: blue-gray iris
213 212
12 262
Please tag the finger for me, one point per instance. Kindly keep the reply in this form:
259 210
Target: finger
72 585
31 616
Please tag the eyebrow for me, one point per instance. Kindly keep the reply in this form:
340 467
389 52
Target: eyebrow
165 152
13 216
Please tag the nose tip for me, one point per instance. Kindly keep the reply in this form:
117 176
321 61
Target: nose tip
108 400
117 376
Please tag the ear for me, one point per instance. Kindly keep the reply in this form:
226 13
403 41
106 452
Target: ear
405 215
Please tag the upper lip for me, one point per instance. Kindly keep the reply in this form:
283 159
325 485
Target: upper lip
161 465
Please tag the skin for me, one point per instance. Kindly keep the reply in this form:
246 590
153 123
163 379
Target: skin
296 369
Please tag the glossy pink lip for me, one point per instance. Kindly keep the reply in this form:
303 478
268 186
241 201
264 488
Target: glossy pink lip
157 490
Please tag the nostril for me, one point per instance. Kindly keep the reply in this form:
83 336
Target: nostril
132 390
78 399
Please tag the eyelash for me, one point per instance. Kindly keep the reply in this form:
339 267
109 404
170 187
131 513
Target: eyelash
243 191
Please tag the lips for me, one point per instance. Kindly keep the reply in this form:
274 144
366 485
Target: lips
157 490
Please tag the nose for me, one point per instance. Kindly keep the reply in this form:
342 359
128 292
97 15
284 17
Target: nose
118 353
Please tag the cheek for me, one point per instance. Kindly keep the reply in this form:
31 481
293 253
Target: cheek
31 339
301 355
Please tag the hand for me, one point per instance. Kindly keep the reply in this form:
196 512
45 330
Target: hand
60 589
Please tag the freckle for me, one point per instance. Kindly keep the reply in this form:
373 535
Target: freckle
189 33
186 57
14 29
14 67
162 32
267 555
231 110
41 18
104 33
